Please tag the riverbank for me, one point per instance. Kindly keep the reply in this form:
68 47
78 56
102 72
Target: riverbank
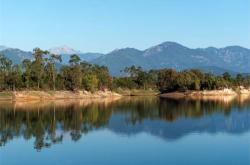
69 95
137 92
55 95
207 93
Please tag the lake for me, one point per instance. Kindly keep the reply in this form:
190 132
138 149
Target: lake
136 130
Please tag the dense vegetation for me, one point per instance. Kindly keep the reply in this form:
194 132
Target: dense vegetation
43 73
168 80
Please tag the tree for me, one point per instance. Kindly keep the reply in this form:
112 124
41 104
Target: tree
71 75
75 72
167 80
239 79
246 81
15 77
133 71
5 68
74 59
65 77
27 72
41 72
51 69
208 82
102 74
184 80
142 79
90 82
38 65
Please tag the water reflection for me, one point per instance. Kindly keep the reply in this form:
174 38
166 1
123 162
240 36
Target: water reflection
49 123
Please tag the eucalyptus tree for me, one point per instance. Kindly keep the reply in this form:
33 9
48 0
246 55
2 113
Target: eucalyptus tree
167 80
27 72
74 59
51 71
15 78
5 68
75 72
102 74
133 71
38 65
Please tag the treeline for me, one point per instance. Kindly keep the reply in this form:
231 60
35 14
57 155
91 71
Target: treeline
168 80
42 72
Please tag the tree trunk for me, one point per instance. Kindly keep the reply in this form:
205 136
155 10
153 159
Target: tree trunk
54 82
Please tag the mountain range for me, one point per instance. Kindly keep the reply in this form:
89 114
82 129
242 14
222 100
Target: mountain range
174 55
18 55
234 59
15 55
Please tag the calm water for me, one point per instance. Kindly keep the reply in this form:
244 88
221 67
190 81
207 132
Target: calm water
146 130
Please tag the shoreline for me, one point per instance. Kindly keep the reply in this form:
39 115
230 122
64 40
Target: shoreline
55 95
32 95
206 94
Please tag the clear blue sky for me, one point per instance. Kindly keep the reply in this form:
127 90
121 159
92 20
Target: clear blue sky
103 25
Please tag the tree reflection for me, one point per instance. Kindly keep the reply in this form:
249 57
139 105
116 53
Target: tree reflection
48 124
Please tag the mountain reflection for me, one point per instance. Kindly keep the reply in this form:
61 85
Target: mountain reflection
49 122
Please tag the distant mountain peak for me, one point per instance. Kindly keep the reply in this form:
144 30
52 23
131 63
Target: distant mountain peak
170 43
162 47
124 50
63 50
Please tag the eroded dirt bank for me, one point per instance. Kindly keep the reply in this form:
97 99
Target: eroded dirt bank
55 95
207 94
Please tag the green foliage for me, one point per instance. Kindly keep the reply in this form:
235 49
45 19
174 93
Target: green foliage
27 72
15 77
167 80
124 82
5 71
74 59
171 80
138 78
41 73
90 82
37 66
51 69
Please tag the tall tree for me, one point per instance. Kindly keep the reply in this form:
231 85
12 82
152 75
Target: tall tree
75 72
27 72
38 65
74 59
51 69
15 77
5 69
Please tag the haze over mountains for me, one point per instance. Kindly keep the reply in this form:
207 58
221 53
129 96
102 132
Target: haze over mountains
66 51
234 59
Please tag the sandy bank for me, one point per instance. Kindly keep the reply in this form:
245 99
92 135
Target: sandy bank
207 94
55 95
137 92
